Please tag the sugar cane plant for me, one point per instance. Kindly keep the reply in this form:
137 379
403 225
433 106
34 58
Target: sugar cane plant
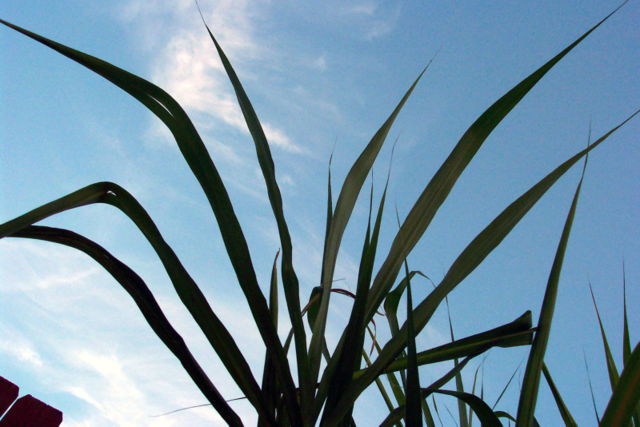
327 396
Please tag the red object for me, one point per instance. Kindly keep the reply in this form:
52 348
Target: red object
26 411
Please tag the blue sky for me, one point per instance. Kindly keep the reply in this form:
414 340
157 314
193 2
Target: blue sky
319 75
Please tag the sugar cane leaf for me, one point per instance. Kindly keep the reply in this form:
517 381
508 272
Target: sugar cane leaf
144 299
289 278
413 417
186 288
531 381
269 379
195 153
562 407
515 333
611 364
626 395
443 181
469 259
344 207
348 357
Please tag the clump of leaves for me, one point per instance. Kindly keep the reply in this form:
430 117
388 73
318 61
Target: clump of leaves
325 396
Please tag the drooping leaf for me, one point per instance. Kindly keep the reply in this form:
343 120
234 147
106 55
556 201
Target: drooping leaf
193 150
515 333
142 296
218 336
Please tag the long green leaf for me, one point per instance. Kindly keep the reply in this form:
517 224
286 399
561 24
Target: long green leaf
470 258
142 296
269 380
506 386
443 181
464 421
593 397
344 207
289 278
611 364
531 381
186 288
412 416
193 149
626 395
515 333
562 407
348 357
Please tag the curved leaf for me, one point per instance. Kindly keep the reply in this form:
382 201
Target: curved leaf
142 296
195 153
289 278
186 288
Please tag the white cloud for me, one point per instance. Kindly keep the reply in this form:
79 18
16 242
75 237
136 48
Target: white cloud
186 65
320 63
361 9
19 348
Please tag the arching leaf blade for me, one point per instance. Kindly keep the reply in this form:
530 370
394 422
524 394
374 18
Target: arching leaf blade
142 296
195 153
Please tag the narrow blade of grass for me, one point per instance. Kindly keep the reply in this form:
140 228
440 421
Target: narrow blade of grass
380 385
142 296
562 408
462 410
396 388
593 397
413 416
531 382
626 340
611 364
506 386
195 153
269 380
626 395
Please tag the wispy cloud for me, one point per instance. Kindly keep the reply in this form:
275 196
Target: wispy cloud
374 18
84 339
186 65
